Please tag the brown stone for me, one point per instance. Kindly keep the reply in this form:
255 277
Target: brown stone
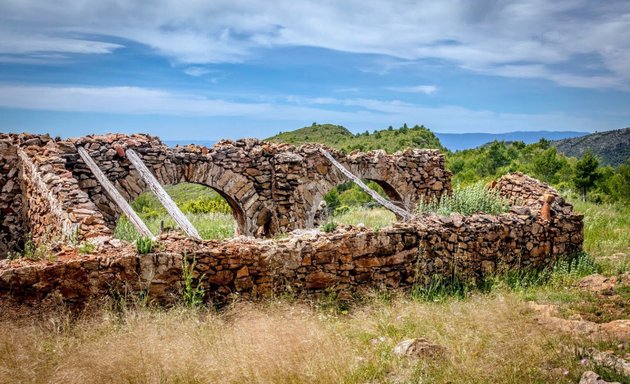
220 277
243 272
320 280
421 348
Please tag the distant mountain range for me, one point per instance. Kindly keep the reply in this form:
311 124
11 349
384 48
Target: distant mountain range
460 141
612 147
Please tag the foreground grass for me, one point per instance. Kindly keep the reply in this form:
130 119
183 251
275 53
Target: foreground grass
489 339
607 234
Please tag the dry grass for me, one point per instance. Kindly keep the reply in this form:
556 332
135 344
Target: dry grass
489 338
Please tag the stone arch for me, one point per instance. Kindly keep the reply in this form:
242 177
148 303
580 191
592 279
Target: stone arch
238 191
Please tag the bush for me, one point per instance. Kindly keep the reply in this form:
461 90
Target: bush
30 251
144 245
573 268
329 227
468 200
86 248
206 205
341 210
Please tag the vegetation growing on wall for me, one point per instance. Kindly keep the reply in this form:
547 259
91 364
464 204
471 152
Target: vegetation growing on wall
475 198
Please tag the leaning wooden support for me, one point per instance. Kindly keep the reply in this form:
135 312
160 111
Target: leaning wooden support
380 199
161 194
114 194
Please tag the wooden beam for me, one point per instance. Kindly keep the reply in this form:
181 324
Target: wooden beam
161 194
380 199
113 193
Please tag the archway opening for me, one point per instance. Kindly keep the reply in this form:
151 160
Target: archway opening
348 204
215 215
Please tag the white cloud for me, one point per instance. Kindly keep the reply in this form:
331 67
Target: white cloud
124 100
196 71
26 43
357 113
426 89
485 36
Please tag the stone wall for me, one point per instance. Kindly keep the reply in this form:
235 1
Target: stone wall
11 224
271 187
55 209
345 261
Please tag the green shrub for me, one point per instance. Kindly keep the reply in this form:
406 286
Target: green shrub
30 251
145 245
467 200
341 210
329 226
86 248
192 294
572 268
206 204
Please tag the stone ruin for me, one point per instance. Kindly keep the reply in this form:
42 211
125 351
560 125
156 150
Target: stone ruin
47 190
48 194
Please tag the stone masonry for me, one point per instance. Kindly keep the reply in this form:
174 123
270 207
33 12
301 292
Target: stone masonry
48 192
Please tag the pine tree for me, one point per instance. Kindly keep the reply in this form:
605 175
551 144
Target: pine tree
586 173
546 165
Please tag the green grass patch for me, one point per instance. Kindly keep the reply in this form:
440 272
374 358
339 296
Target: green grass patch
375 218
607 234
207 211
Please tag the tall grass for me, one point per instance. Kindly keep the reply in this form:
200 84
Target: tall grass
607 234
488 339
475 198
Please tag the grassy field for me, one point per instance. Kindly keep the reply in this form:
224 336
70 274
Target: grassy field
489 336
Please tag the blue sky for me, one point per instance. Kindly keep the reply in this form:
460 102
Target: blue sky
229 69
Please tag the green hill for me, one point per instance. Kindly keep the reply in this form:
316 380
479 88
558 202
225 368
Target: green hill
612 147
336 136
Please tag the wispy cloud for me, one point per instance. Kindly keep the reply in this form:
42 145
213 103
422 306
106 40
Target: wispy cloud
357 113
125 100
197 71
32 42
482 36
426 89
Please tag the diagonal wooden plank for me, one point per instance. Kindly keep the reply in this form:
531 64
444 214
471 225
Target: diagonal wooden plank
380 199
114 194
161 194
